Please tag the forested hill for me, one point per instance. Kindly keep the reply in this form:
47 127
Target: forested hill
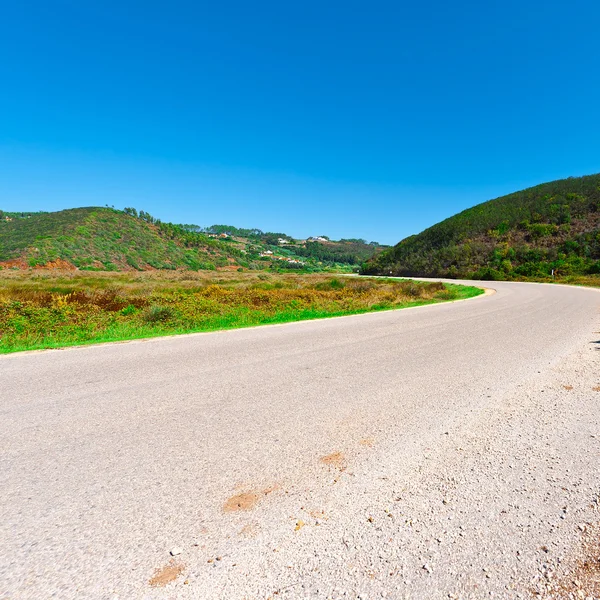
526 234
97 238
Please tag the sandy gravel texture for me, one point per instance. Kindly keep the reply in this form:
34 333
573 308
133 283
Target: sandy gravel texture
451 451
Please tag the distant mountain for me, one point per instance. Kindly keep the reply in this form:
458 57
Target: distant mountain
97 238
526 234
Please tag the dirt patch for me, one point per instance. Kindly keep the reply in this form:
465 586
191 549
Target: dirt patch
248 500
568 387
335 459
584 580
317 514
367 442
244 501
59 263
15 263
167 574
249 531
22 263
588 569
596 389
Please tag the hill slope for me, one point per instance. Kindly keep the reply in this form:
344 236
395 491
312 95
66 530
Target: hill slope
103 238
525 234
109 239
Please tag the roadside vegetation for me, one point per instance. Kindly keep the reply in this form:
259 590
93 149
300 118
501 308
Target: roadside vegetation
50 309
585 280
524 236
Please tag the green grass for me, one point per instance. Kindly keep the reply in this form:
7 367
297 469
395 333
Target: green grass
57 311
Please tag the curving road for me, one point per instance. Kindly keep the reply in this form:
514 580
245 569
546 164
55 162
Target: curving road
419 453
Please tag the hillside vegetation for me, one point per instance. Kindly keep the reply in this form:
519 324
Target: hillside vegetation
527 234
104 239
111 240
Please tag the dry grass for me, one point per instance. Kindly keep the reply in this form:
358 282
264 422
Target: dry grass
50 309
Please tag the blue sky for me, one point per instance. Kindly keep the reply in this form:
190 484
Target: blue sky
351 119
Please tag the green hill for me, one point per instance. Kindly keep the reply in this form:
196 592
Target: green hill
526 234
108 239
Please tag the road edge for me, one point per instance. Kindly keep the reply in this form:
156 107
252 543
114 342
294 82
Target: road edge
487 291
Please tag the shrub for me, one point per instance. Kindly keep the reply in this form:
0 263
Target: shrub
331 284
594 268
488 274
412 289
157 314
447 294
336 284
435 286
539 230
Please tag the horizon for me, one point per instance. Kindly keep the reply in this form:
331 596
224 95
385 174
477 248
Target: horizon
316 120
279 231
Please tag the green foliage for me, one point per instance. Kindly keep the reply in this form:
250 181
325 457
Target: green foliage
51 309
349 252
20 215
553 226
331 284
103 238
128 310
157 314
231 230
108 239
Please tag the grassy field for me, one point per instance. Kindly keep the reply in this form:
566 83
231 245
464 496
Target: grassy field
53 309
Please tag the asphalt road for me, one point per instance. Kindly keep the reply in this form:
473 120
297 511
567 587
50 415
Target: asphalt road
362 456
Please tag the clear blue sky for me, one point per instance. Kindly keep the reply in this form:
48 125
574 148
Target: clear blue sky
354 119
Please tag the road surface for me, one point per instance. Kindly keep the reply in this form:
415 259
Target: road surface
447 451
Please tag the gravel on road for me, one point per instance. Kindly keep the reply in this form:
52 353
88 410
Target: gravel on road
449 451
